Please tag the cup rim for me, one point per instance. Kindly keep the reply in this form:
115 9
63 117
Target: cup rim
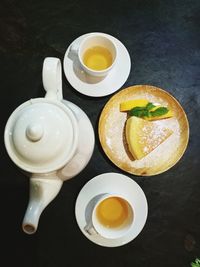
80 58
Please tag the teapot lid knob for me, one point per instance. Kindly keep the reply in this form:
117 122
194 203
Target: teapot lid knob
34 132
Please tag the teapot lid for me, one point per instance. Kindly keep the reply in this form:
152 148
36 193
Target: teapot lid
41 135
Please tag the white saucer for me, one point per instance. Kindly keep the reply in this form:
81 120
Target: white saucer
86 85
113 183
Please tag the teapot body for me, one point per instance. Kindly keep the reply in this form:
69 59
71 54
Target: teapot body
50 139
85 144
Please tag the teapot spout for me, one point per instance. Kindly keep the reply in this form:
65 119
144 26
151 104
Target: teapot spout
42 191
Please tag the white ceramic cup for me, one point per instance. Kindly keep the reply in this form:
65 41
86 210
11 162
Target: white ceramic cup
92 40
94 225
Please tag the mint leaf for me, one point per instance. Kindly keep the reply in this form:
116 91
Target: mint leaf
142 112
159 112
196 263
149 106
139 112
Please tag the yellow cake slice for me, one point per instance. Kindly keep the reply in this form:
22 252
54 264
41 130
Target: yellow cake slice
144 136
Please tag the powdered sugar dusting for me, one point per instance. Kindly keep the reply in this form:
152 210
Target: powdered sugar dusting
165 150
152 135
115 132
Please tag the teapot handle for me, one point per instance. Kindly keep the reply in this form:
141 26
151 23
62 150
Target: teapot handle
52 78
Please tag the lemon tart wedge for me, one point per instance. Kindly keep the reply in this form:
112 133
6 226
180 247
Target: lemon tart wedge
144 136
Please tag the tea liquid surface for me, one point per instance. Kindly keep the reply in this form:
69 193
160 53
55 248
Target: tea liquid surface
112 212
97 58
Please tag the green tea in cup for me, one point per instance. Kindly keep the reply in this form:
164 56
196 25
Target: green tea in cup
97 58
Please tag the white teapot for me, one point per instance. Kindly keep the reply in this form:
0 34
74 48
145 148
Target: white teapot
49 138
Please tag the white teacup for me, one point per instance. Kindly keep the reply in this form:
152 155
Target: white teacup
102 51
109 215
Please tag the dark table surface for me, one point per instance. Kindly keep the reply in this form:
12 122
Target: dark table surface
163 39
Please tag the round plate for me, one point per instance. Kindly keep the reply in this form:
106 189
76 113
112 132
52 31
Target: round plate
119 184
111 132
97 87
